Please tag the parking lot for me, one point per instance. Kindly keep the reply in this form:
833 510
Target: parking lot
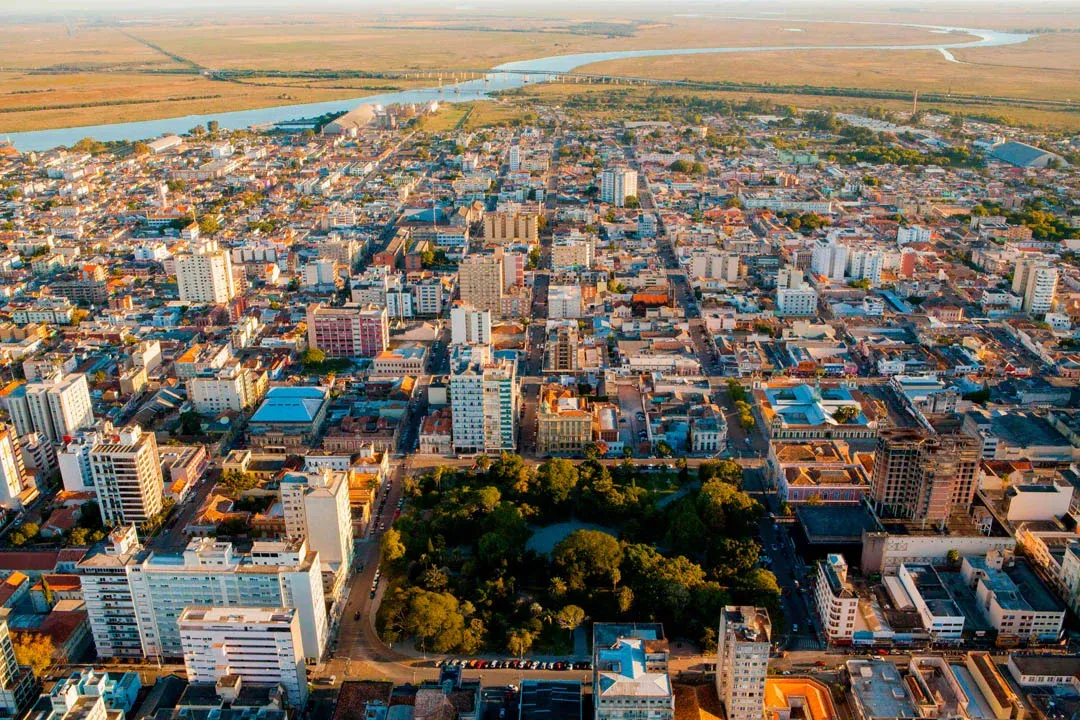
522 664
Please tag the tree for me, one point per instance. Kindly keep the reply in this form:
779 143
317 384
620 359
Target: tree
80 537
140 148
846 414
736 391
31 530
570 618
624 599
727 471
631 202
434 618
237 482
815 500
208 225
557 479
953 557
520 642
588 555
190 423
213 126
313 357
392 548
34 650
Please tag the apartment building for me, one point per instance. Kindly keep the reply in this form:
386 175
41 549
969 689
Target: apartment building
512 226
743 661
17 683
350 331
204 275
55 407
630 672
480 282
919 474
135 597
484 403
617 184
260 645
469 326
1013 599
1035 281
835 599
796 302
127 476
14 480
233 387
316 507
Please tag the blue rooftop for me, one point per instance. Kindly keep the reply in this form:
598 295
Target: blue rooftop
291 405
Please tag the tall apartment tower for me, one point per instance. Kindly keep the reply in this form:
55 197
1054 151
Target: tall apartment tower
617 184
742 647
1035 281
351 331
480 282
204 275
508 226
316 507
14 479
127 476
59 406
17 684
260 645
484 402
469 326
923 474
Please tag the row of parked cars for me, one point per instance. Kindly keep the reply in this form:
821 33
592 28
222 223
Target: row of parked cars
513 664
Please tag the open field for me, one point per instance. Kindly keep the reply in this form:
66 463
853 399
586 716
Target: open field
923 70
474 115
556 93
148 68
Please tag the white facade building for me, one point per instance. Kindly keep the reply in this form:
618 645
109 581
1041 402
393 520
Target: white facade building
801 301
835 599
617 184
262 646
127 476
135 597
469 326
59 406
205 274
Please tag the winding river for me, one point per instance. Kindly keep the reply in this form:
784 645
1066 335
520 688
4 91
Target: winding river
503 77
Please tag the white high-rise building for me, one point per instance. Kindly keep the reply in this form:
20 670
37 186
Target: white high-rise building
865 264
1035 281
74 459
135 597
127 476
261 646
14 479
617 184
835 598
59 406
742 649
829 258
316 506
911 234
484 402
205 274
515 158
802 301
469 326
17 684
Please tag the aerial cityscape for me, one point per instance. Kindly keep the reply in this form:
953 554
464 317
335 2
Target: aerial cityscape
539 362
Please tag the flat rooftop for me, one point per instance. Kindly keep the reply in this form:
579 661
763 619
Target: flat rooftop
878 688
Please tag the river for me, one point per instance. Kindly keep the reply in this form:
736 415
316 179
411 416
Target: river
503 77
